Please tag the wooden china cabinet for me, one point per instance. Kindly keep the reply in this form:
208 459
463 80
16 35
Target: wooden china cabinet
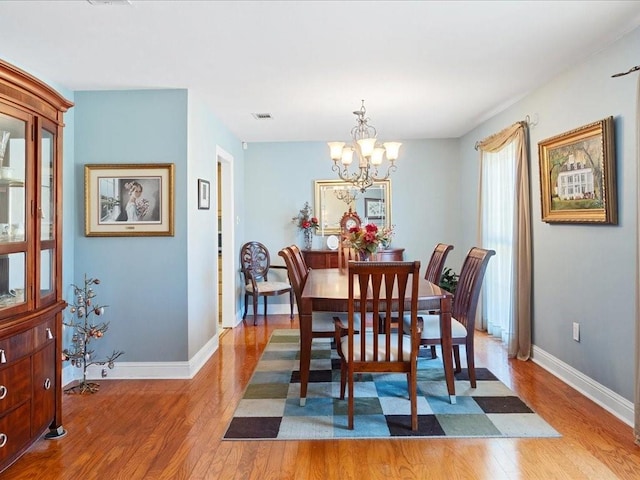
30 261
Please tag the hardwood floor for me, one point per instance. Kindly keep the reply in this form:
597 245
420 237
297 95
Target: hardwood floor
172 429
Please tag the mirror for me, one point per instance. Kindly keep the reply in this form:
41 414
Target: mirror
334 197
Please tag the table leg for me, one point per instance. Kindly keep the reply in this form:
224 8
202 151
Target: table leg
447 346
305 348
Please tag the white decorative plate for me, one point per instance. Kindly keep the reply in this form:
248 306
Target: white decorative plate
332 242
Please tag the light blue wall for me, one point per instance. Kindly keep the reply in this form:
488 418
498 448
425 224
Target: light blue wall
582 273
206 134
279 178
143 279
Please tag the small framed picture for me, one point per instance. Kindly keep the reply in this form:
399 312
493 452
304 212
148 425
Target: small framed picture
128 200
204 194
374 208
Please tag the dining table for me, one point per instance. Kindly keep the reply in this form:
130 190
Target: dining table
327 290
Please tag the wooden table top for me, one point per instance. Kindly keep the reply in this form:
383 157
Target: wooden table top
333 284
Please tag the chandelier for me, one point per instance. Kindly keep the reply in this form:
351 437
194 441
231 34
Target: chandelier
345 195
370 156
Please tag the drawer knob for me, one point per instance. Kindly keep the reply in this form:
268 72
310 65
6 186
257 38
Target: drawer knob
47 384
49 334
3 392
3 357
3 439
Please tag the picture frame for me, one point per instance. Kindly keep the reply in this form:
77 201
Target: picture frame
578 175
335 197
374 208
124 200
204 194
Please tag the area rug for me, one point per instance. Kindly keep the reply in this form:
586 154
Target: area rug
270 408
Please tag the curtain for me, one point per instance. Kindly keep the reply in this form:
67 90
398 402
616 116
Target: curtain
498 179
514 321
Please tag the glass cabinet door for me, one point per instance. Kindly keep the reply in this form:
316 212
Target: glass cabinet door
13 201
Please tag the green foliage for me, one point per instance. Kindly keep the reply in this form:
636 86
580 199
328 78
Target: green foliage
582 204
449 280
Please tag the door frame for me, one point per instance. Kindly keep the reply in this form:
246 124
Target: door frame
229 304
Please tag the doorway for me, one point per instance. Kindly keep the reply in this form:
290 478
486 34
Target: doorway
227 304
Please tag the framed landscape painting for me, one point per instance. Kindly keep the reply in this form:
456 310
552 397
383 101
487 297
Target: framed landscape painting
578 175
128 200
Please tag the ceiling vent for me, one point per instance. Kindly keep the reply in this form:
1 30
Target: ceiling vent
262 116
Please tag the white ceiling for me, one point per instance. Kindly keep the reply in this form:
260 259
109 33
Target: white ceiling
427 69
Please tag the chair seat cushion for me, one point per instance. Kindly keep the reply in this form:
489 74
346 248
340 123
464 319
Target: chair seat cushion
323 321
268 287
357 355
431 326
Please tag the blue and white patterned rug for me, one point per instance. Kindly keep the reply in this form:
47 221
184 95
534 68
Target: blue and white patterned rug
270 408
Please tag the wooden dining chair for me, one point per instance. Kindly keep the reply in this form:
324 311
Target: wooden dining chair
376 288
346 254
463 311
322 323
436 263
255 263
433 275
299 259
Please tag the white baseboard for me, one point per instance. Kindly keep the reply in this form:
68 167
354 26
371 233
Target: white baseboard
603 396
272 309
146 370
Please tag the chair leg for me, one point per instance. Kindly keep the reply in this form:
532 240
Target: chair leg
413 397
350 401
471 364
291 303
433 352
456 358
343 380
265 306
255 308
246 301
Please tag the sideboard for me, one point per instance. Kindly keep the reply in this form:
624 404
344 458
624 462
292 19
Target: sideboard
329 258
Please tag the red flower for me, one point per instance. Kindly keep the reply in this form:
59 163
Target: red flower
306 224
371 228
354 229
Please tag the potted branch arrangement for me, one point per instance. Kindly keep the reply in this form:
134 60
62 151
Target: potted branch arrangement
86 329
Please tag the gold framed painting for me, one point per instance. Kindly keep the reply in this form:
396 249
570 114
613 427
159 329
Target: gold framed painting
128 200
578 175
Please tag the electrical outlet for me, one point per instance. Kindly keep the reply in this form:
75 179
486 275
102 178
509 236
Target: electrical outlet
576 331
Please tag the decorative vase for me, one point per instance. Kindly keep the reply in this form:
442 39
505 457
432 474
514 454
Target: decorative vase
308 239
367 256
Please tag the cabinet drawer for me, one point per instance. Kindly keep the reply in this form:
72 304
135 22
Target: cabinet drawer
44 389
14 431
44 333
15 384
16 346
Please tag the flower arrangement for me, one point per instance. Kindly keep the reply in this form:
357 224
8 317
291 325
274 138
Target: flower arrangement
369 238
305 221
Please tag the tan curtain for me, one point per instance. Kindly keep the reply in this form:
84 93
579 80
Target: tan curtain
519 344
